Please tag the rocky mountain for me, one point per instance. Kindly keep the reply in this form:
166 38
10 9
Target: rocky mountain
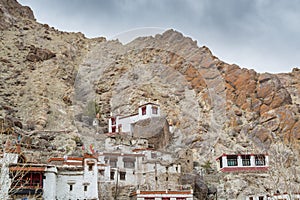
54 84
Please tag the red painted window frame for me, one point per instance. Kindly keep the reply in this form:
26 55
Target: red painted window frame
144 109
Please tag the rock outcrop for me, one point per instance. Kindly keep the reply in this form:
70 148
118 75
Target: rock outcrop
11 12
38 54
155 130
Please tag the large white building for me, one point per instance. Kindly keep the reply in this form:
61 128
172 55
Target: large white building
62 179
81 178
141 168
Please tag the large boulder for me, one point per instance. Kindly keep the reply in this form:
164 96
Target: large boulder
155 129
196 181
38 54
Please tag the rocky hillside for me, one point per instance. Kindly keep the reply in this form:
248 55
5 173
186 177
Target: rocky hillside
53 84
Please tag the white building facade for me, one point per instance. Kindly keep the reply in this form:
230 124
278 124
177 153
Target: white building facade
141 168
274 197
61 179
124 123
243 162
76 178
120 167
162 195
6 159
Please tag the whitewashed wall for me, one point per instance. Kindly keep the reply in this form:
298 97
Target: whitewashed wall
79 179
8 158
127 121
49 183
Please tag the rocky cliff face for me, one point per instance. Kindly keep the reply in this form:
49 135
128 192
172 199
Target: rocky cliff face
11 12
54 83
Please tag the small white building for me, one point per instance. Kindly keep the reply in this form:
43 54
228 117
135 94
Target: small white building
274 197
243 162
285 197
76 178
125 123
162 195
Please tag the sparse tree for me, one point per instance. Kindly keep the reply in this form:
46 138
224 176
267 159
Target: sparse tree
11 181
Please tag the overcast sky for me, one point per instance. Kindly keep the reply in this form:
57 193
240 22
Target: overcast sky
257 34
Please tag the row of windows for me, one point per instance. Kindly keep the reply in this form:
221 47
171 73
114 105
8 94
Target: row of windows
30 179
233 161
165 198
122 175
259 198
154 110
127 164
85 187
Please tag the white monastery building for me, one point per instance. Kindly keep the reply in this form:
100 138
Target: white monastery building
162 195
81 178
76 178
243 162
125 123
61 179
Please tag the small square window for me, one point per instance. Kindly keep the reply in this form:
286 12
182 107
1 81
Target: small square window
153 155
129 164
246 160
113 163
122 175
260 160
101 172
232 160
154 110
112 175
